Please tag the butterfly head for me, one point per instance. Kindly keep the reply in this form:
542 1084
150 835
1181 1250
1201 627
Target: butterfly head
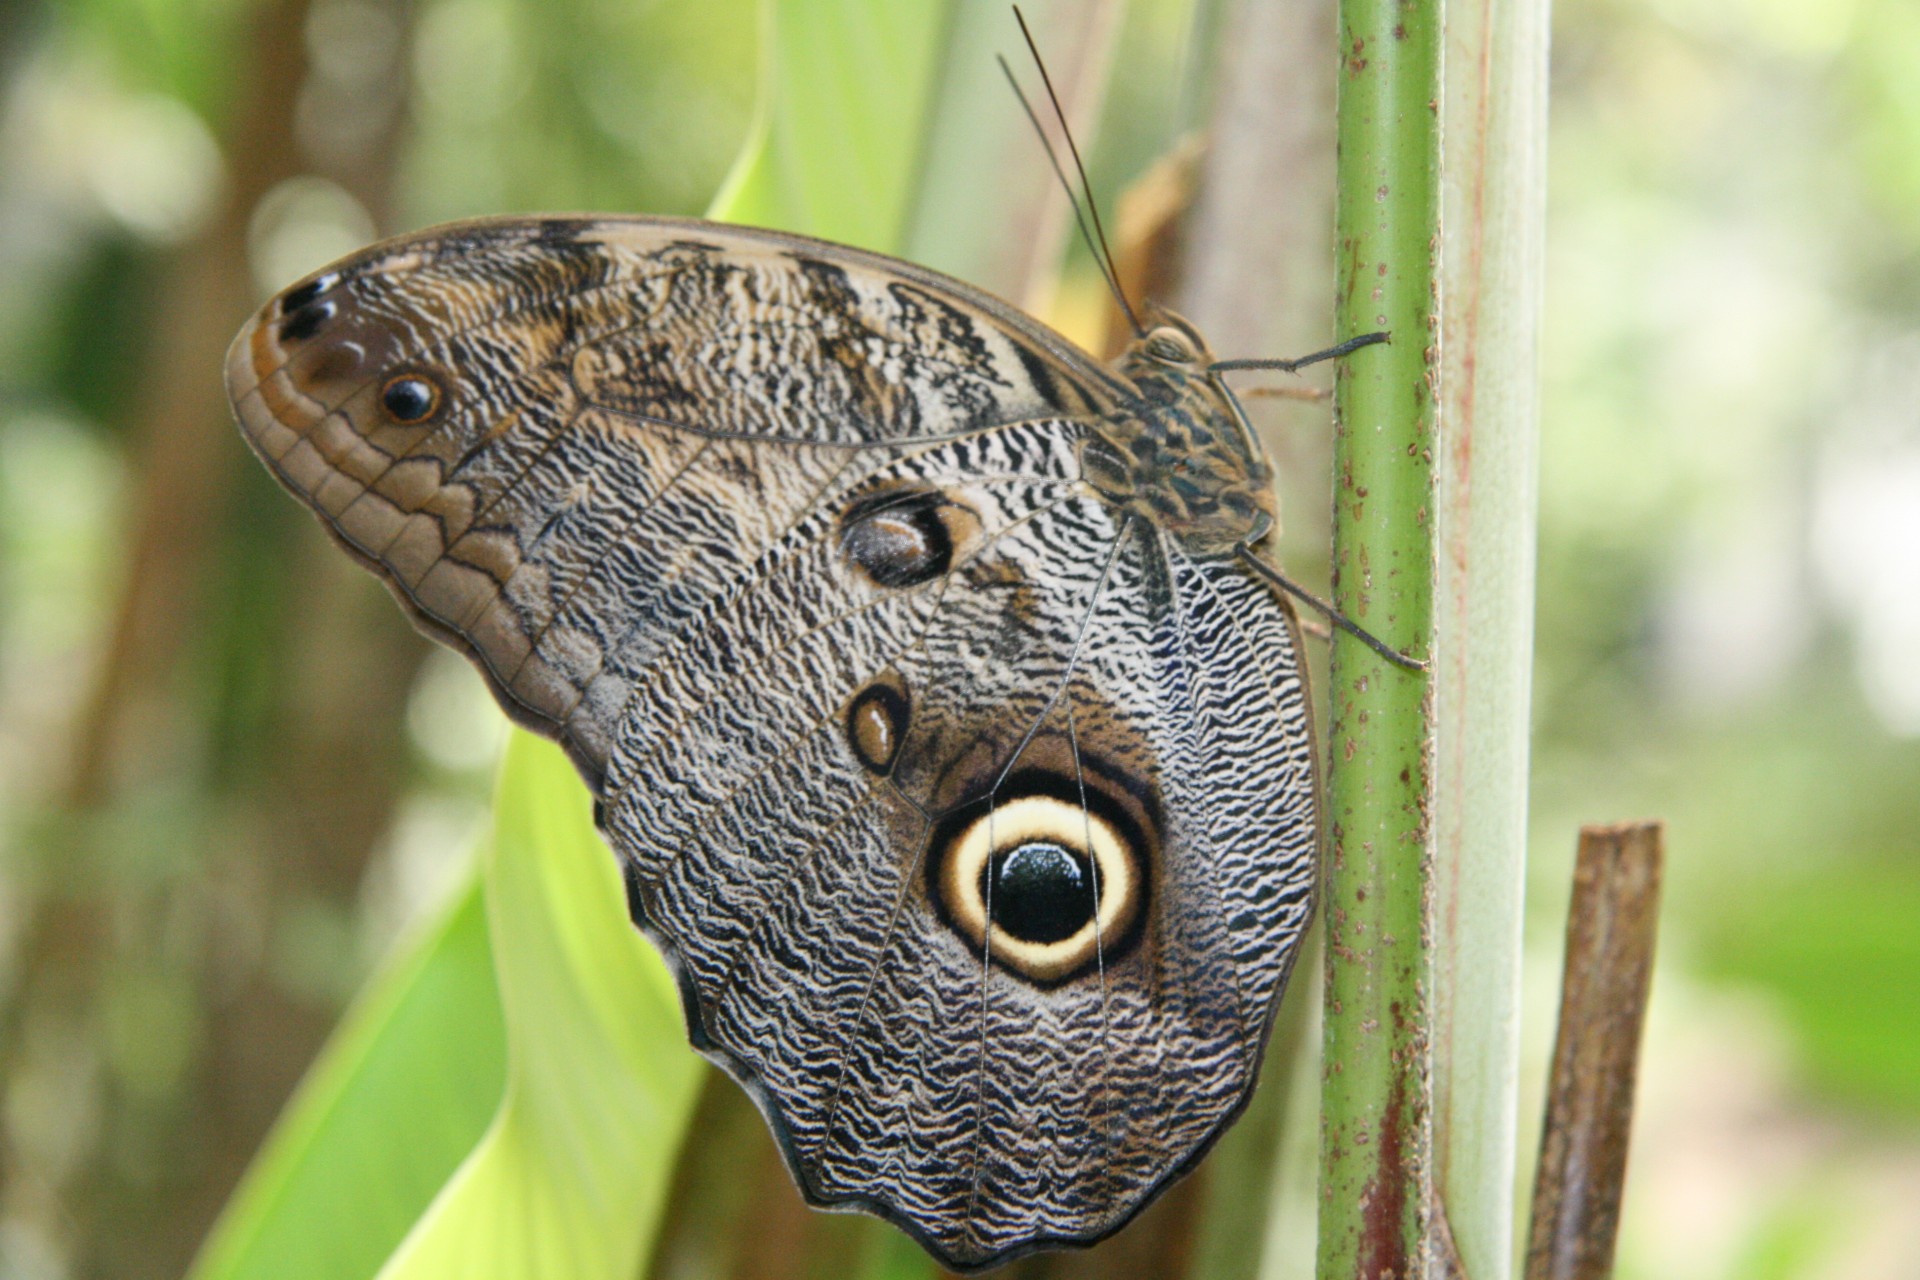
1168 353
1179 453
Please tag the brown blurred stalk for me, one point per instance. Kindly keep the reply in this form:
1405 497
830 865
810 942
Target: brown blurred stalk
1603 1004
174 725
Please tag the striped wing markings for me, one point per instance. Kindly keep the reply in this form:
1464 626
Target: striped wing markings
986 950
591 567
843 1035
417 446
405 270
778 551
1283 698
789 555
509 487
1103 1119
1285 689
846 1032
669 588
1091 381
443 342
337 523
637 769
1082 1207
1065 365
653 877
770 908
1191 671
1179 958
518 303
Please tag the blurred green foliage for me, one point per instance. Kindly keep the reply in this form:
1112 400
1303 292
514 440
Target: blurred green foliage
1730 545
227 781
406 1087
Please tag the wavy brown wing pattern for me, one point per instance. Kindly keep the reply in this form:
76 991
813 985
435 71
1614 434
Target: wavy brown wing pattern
975 815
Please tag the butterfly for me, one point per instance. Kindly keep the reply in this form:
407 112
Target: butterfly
935 697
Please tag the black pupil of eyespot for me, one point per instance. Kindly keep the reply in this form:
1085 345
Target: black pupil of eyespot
1040 891
409 399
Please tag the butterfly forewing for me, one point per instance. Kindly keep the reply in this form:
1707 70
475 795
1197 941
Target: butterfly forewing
558 352
975 815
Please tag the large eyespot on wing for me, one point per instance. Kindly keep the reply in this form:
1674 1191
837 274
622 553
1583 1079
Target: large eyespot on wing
536 429
1048 877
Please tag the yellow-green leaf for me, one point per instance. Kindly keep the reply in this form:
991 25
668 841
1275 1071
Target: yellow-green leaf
570 1179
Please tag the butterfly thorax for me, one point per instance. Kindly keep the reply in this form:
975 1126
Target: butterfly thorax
1176 453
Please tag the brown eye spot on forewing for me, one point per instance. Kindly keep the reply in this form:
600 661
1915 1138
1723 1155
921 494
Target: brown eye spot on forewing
905 537
876 723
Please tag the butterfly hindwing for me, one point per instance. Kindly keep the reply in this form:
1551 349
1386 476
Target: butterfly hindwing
975 815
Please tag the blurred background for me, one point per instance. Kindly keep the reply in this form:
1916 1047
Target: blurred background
230 775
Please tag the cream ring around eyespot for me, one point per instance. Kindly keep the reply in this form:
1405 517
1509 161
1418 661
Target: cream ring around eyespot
1043 819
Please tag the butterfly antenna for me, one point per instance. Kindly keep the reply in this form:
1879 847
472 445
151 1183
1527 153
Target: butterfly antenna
1102 252
1073 199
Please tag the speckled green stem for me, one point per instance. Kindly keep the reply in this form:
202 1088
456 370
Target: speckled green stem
1375 1115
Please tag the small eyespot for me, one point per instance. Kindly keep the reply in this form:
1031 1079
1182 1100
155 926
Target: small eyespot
876 724
1170 346
409 399
307 321
295 299
899 539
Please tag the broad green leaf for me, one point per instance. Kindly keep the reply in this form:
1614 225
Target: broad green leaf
399 1096
570 1179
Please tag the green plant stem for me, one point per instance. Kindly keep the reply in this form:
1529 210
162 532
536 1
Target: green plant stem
1375 1116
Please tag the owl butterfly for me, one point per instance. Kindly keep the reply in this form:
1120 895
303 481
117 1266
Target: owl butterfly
952 740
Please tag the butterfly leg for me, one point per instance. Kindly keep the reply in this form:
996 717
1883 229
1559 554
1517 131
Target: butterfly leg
1246 552
1245 549
1300 362
1312 395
